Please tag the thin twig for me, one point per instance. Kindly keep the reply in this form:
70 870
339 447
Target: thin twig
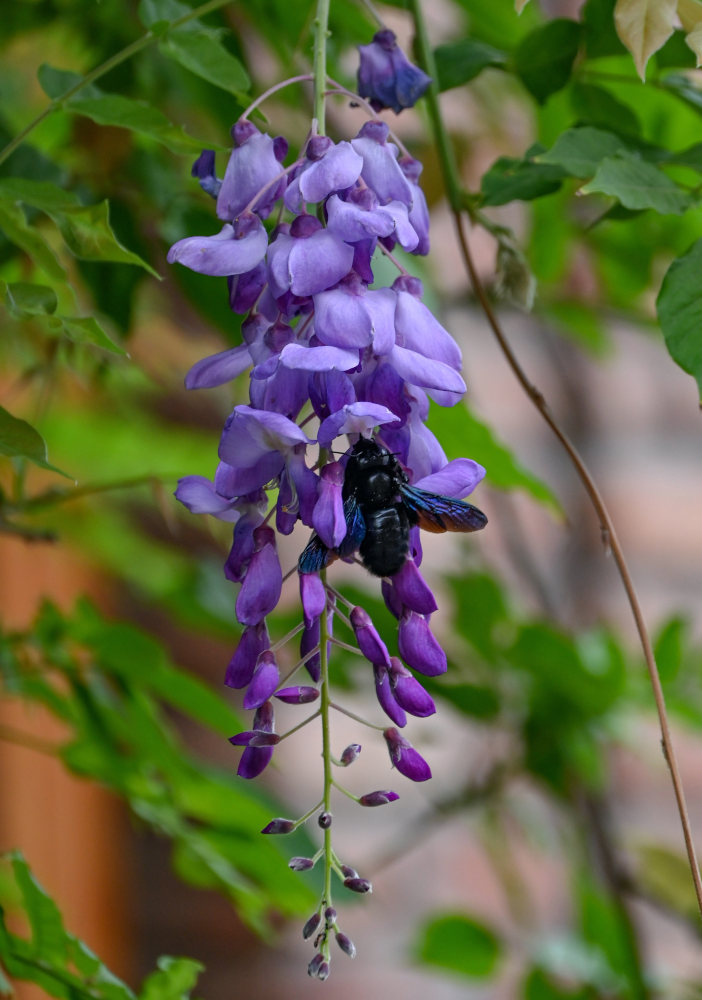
610 539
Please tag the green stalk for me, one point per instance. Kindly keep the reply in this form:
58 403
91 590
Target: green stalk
141 43
321 33
425 53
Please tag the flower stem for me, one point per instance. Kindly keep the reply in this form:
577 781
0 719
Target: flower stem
119 57
321 33
324 711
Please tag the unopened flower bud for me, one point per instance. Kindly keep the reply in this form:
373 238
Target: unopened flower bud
301 695
330 914
300 864
379 798
315 965
325 820
279 826
361 885
348 872
346 945
350 754
367 637
311 926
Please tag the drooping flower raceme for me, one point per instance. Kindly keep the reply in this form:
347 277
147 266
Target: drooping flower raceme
330 358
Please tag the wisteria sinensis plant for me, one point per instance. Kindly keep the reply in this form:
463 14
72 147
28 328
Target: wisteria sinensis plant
334 435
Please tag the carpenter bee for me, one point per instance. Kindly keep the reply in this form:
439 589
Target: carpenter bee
380 507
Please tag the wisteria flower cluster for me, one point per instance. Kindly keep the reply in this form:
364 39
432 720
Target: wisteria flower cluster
332 358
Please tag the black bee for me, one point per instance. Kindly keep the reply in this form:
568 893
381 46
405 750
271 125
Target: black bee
380 507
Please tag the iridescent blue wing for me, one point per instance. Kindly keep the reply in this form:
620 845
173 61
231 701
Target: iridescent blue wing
433 512
316 555
355 527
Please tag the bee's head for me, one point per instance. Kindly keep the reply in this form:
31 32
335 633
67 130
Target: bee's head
369 454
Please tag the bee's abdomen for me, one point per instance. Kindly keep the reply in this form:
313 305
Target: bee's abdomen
386 543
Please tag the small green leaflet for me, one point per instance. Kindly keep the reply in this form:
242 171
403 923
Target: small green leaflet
203 54
24 299
680 312
579 151
14 224
460 62
544 59
85 229
638 185
509 179
18 439
461 944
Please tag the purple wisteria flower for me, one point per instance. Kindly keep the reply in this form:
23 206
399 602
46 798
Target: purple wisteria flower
387 77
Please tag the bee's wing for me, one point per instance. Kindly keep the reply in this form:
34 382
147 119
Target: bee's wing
316 555
433 512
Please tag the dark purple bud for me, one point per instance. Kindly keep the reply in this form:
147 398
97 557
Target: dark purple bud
418 647
311 926
378 798
348 872
346 945
330 914
301 695
323 972
405 758
313 969
386 698
408 692
413 590
367 637
328 518
279 825
350 754
280 148
264 718
386 76
361 885
313 596
318 146
264 682
300 864
263 582
324 820
204 169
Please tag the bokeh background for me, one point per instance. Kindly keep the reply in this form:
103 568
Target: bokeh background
549 830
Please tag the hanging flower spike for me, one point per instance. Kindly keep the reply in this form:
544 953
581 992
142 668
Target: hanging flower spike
386 77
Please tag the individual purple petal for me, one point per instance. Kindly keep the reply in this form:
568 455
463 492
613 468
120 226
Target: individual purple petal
385 385
386 698
413 590
264 681
307 265
425 372
233 250
305 484
260 591
218 368
242 739
200 496
330 391
386 76
457 479
405 758
252 165
337 168
419 212
245 289
408 692
301 695
318 359
328 515
379 798
341 317
253 641
243 541
361 217
309 641
381 171
357 418
368 637
313 596
253 761
391 598
418 329
418 647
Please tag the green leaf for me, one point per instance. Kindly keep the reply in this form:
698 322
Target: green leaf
87 330
684 88
116 110
509 179
174 979
23 299
539 985
690 157
18 439
202 53
14 224
664 874
157 15
48 935
638 185
85 229
579 151
597 106
459 62
669 648
462 433
544 59
679 306
460 944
